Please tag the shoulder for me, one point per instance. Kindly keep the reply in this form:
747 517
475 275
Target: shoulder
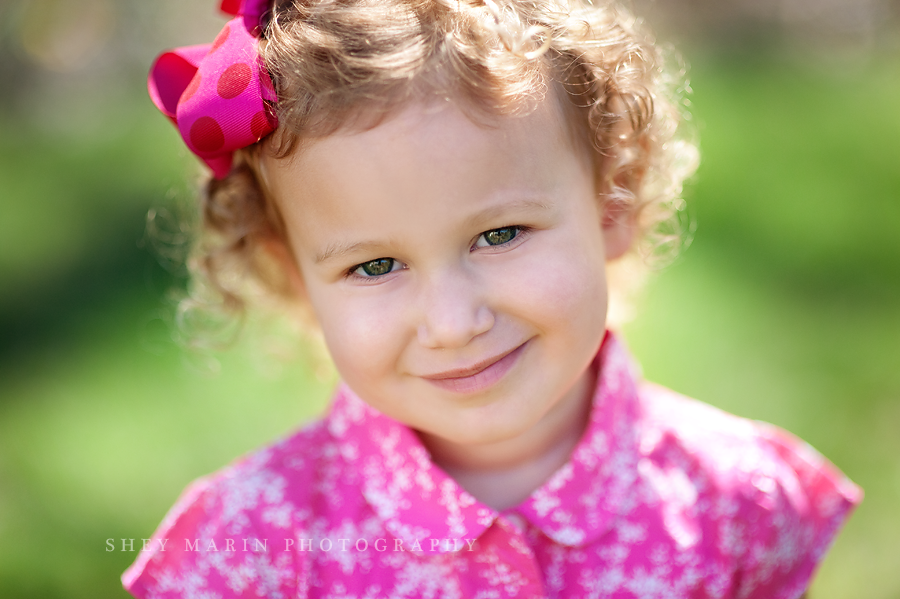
734 453
771 503
229 534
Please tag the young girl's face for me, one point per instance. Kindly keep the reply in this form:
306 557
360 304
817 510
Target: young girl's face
457 269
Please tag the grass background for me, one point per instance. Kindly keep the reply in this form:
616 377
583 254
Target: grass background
785 308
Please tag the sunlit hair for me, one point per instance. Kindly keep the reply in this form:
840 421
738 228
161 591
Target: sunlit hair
340 64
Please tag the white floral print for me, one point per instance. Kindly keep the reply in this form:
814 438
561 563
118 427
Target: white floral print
663 498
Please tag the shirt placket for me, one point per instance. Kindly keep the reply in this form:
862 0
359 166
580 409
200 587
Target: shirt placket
505 563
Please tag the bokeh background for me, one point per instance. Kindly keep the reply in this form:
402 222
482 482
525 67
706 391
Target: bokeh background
785 308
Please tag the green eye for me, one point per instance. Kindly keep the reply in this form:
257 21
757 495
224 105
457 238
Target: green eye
376 268
500 236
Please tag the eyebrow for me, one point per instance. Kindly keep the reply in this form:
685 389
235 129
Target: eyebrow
339 249
501 208
336 250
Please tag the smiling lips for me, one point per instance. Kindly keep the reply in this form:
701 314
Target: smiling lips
478 377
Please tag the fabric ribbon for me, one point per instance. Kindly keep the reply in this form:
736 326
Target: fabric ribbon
219 95
252 11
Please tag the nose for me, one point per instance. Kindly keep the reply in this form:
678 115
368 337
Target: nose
453 311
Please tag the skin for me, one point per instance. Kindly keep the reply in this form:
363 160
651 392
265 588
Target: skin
424 195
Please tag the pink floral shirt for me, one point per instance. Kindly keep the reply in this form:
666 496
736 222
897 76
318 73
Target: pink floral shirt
663 498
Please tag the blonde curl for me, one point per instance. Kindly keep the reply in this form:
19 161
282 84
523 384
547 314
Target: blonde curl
349 63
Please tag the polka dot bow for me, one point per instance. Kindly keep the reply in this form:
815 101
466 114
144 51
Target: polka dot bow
219 95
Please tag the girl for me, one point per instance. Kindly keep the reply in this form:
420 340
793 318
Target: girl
442 183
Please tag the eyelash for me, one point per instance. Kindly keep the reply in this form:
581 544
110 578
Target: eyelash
521 232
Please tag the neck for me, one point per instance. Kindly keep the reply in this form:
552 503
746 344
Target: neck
502 474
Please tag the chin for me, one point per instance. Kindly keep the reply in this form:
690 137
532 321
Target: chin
484 431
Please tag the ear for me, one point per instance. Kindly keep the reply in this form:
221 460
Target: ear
618 223
278 250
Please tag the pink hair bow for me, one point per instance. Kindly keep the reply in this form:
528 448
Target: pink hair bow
219 95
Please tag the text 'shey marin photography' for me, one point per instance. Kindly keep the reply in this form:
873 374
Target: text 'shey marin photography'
255 545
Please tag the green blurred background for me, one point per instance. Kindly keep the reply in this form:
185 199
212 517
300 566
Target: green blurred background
785 308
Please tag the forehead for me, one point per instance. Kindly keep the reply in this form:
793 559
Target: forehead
435 160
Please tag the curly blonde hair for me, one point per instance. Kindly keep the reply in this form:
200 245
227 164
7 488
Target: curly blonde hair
337 63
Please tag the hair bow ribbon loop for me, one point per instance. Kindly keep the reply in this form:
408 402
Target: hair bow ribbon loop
251 10
219 95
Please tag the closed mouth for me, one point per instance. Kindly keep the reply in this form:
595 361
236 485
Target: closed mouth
479 376
459 373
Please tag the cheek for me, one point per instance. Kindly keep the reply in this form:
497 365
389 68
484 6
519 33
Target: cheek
563 288
364 334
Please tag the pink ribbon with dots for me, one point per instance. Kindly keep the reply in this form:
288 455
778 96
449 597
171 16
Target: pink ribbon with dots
219 95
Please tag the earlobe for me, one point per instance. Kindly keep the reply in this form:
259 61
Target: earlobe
619 226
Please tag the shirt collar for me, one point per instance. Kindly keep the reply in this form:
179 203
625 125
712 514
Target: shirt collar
583 498
419 502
